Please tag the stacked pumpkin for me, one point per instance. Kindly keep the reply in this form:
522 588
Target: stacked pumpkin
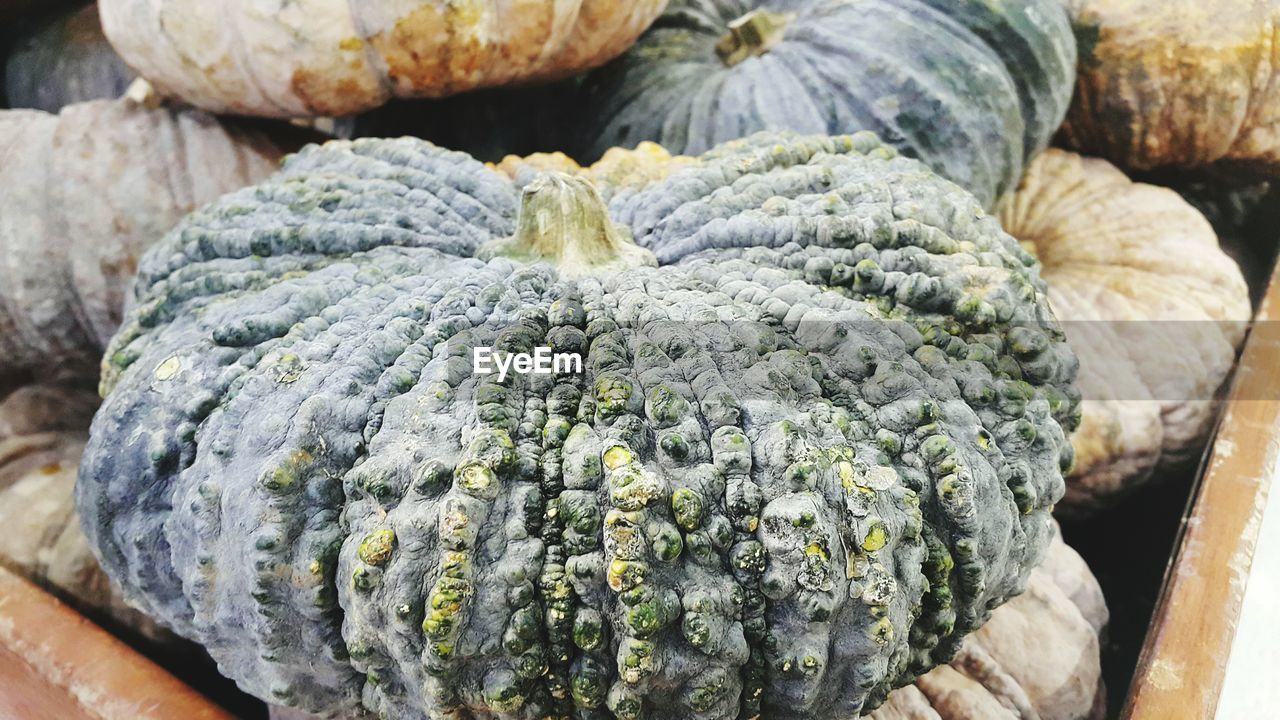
839 313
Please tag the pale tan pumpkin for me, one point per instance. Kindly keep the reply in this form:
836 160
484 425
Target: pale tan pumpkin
1152 305
338 57
1181 83
85 193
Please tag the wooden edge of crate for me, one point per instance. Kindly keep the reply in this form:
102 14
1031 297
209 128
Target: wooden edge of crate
54 663
1183 663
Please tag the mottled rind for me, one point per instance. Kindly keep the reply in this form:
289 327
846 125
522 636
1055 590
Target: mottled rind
290 59
974 88
1177 83
1150 302
808 454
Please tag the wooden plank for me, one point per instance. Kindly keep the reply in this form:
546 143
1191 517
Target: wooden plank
1183 664
56 664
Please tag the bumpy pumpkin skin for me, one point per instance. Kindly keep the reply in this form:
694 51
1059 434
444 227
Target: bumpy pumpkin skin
1176 83
299 59
1150 302
1038 656
64 61
973 88
43 430
85 193
797 471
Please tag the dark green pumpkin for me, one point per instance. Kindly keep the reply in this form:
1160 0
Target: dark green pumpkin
62 61
815 442
974 88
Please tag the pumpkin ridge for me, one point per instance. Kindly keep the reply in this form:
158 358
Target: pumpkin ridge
580 629
306 469
742 505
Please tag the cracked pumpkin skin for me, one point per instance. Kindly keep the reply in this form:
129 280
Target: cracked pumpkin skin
1149 301
303 58
819 435
1177 83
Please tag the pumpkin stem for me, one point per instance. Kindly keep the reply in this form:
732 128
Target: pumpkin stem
752 35
564 221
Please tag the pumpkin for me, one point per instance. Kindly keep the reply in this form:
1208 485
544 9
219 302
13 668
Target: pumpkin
974 88
43 429
1038 657
86 191
285 59
1176 83
1152 305
817 432
64 61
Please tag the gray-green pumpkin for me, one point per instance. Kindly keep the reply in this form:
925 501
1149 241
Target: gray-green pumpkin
974 88
816 441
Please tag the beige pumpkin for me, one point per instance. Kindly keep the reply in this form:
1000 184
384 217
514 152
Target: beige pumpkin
1176 83
1152 305
295 58
85 193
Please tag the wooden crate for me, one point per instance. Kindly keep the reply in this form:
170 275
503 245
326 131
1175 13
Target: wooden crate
1184 662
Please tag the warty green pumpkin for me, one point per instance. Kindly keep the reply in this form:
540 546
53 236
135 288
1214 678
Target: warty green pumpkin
816 440
86 191
1152 305
974 88
301 59
1177 83
64 60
